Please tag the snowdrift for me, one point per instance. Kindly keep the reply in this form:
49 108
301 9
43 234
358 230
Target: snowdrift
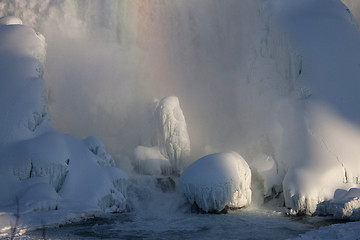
42 169
216 182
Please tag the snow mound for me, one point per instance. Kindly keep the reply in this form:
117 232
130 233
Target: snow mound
40 168
217 181
165 138
10 20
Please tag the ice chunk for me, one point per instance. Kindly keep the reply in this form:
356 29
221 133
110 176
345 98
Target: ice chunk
217 181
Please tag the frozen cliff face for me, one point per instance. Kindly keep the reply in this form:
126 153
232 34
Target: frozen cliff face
166 139
318 130
216 182
41 169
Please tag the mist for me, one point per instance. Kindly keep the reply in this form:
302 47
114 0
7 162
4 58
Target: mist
107 60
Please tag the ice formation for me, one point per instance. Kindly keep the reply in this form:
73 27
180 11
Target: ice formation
217 181
165 138
42 169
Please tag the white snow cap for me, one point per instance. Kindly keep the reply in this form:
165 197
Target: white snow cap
217 181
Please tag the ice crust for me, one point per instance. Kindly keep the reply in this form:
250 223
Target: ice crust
217 181
42 169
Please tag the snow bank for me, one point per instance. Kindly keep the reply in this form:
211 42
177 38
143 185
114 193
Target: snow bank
217 181
165 138
41 169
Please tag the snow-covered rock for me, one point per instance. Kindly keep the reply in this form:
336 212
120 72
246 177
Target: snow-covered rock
217 181
344 205
40 168
165 138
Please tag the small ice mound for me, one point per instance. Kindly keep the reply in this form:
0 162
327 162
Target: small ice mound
10 20
149 161
217 182
344 205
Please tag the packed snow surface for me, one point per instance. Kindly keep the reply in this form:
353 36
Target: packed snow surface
217 181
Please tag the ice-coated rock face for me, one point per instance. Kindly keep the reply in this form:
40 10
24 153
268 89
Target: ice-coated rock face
217 181
165 139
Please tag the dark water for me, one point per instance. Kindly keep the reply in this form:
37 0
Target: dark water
240 224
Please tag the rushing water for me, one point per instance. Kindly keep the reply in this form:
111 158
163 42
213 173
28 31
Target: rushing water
240 224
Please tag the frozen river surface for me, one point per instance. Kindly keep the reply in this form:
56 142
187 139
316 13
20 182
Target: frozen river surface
240 224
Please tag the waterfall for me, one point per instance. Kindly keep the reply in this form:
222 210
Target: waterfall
106 61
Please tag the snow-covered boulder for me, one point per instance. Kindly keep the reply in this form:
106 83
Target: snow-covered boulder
40 168
165 138
217 181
